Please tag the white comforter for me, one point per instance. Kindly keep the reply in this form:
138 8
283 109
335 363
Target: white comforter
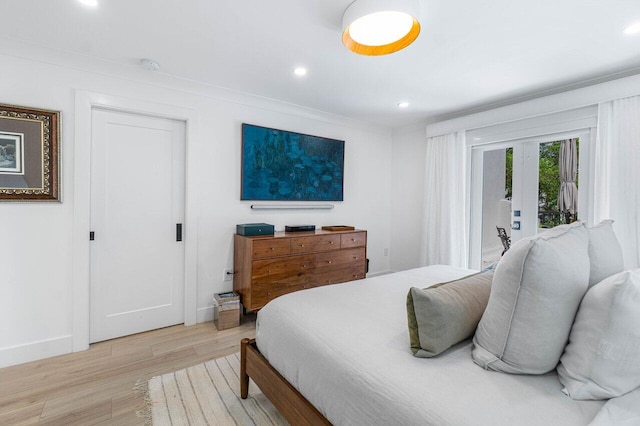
345 347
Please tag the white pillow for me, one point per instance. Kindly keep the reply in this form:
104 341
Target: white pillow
605 252
621 411
536 291
602 359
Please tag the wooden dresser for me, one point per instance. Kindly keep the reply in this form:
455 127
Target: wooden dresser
266 267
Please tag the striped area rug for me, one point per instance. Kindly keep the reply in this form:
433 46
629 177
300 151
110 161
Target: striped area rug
209 394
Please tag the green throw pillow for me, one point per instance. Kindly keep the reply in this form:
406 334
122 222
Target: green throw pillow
444 314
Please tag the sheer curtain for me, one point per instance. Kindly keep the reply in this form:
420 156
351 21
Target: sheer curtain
444 234
617 173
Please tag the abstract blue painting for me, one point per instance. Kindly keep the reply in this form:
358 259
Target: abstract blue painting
288 166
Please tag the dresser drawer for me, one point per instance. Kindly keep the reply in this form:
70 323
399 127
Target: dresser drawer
271 247
354 239
275 269
314 244
339 276
262 293
340 259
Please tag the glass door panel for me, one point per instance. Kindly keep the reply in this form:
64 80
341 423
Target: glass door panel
549 182
496 203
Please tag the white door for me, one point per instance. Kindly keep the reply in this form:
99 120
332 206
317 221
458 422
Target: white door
137 202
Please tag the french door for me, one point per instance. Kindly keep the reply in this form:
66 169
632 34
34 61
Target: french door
514 186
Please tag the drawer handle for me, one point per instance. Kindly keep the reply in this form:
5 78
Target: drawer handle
301 245
304 266
273 248
353 239
329 262
355 257
330 242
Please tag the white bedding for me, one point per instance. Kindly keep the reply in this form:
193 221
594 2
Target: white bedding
346 348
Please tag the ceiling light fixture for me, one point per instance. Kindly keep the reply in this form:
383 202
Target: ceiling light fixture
403 104
632 29
90 3
380 27
300 71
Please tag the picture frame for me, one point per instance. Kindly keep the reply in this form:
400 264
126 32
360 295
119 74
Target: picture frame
281 165
29 154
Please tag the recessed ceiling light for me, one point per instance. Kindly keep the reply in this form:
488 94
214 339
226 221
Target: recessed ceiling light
633 29
300 71
403 104
90 3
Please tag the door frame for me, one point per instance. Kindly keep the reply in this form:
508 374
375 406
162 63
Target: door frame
85 103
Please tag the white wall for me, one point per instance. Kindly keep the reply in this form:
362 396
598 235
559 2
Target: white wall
407 176
36 301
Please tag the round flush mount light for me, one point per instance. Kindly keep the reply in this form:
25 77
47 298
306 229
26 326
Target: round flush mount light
89 3
300 71
149 64
380 27
632 29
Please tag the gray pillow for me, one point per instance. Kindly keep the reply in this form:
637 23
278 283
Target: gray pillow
444 314
605 252
536 291
602 359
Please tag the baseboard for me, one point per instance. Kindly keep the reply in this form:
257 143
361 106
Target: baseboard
205 314
35 351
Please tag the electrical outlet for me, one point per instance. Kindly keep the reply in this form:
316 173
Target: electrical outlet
227 275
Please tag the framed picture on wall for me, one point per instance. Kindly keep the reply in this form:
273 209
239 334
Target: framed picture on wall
280 165
29 156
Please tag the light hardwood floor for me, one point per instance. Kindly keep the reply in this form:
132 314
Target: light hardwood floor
96 387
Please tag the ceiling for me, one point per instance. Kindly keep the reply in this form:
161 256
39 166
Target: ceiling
471 54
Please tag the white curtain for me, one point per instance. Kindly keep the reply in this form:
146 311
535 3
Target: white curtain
444 236
617 173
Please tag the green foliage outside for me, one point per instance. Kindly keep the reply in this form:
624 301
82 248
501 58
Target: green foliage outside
549 182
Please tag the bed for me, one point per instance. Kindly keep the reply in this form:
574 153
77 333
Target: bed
340 355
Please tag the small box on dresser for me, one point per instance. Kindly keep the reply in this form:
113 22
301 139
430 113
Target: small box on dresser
228 310
250 229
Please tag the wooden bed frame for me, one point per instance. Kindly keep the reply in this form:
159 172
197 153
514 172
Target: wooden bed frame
290 403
